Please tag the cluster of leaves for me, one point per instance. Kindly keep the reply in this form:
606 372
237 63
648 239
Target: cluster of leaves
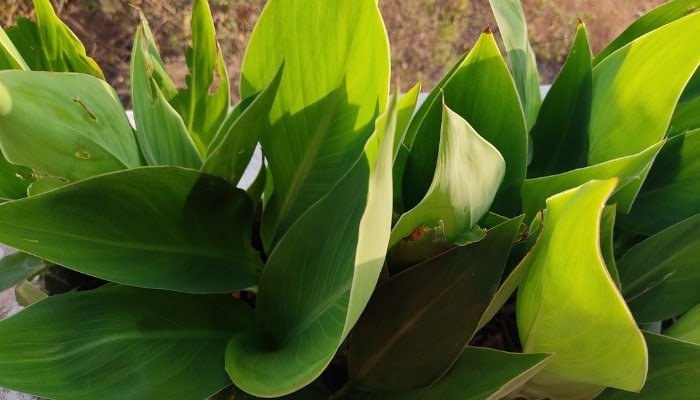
231 278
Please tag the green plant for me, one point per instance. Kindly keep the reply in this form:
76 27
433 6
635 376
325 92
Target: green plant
267 289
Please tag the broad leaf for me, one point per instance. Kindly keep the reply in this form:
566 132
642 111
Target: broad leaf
205 102
468 174
479 374
687 327
560 135
16 267
320 121
14 180
417 323
674 368
162 134
660 276
83 129
511 22
156 227
484 75
10 58
319 277
120 342
628 96
671 192
567 289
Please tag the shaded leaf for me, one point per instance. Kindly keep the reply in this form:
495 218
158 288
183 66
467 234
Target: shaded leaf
16 267
157 227
687 327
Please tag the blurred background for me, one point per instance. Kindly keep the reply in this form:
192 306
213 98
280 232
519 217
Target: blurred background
426 36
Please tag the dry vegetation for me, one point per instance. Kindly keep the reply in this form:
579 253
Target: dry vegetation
426 36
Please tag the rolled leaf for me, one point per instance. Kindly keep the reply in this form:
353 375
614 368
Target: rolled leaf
10 58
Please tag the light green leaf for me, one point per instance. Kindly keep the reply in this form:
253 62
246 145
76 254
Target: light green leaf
120 343
10 58
407 107
628 96
479 374
161 132
687 327
560 135
468 174
320 121
511 22
674 368
206 100
567 289
16 267
156 227
240 135
660 276
492 108
607 247
27 294
671 192
629 170
319 277
404 341
83 129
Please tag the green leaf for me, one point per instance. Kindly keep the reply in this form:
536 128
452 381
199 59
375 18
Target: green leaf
27 294
14 179
629 170
628 95
607 247
162 134
83 129
120 342
660 276
407 341
319 277
560 135
205 102
492 108
320 121
511 22
687 327
10 58
479 374
567 289
16 267
671 192
674 367
156 227
240 136
407 107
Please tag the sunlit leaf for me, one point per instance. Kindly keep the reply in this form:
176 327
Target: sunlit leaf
687 327
156 227
132 343
10 58
565 293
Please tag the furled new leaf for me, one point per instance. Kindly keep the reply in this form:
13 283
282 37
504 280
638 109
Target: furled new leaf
120 342
155 227
83 129
567 289
16 267
468 173
418 322
660 276
336 82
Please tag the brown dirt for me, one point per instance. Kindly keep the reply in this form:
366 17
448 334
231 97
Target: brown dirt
426 36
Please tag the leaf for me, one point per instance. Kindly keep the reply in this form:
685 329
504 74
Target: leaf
320 121
14 179
687 327
567 289
319 277
10 58
83 129
674 367
628 170
162 134
480 373
560 133
660 276
607 246
468 174
511 22
205 102
418 322
155 227
240 137
27 294
628 95
492 108
407 108
16 267
671 192
132 343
